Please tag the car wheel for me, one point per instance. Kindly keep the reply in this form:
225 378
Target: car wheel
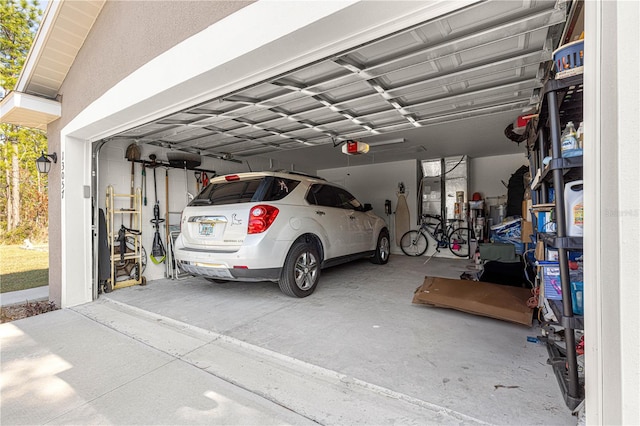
383 249
301 271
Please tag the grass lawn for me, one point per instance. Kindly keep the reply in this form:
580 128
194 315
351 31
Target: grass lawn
21 269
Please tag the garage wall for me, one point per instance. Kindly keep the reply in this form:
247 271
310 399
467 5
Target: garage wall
486 173
127 35
115 170
375 183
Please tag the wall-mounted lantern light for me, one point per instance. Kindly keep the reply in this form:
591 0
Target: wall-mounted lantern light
44 164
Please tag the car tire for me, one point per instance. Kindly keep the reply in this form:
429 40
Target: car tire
383 249
301 271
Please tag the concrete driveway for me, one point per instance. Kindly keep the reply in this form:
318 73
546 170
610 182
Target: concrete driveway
355 352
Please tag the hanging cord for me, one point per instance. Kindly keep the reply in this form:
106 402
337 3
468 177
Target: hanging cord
448 171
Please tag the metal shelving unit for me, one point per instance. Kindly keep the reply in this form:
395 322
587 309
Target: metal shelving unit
562 102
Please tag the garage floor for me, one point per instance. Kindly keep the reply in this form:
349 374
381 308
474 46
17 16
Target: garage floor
361 323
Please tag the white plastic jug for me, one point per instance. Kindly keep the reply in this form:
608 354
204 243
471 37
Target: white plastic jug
574 208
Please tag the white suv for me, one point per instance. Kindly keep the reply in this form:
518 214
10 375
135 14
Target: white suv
276 226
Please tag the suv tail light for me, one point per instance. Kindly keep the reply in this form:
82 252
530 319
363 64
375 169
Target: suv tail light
261 217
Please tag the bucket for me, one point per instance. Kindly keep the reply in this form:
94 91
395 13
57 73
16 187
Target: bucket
574 208
497 213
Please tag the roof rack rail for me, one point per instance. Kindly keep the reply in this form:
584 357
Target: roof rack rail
293 172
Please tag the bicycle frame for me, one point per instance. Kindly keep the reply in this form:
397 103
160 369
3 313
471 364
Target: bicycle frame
434 226
435 229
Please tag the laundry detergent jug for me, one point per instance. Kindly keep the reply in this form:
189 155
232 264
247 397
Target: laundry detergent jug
574 208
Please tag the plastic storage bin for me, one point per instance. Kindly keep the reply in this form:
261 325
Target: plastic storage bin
509 232
577 297
568 60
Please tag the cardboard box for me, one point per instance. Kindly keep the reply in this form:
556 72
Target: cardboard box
539 254
485 299
527 231
526 210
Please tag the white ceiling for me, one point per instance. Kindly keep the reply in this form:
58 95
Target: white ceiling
448 87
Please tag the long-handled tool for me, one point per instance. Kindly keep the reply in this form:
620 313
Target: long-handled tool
158 253
198 176
171 263
132 154
144 184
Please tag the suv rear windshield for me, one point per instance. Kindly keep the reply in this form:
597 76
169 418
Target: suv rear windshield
267 188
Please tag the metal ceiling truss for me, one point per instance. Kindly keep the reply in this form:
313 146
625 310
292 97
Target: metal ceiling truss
477 61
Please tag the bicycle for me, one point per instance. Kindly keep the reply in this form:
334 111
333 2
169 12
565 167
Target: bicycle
416 243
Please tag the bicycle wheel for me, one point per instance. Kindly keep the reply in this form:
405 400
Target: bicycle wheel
414 243
459 241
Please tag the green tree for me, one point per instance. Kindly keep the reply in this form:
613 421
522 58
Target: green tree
23 204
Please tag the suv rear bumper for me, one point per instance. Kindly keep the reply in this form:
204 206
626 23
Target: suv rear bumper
232 274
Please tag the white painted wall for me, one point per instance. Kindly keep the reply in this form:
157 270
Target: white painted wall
75 212
612 209
486 173
115 170
375 183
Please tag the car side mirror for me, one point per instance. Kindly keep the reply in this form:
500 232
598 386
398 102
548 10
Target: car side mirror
367 207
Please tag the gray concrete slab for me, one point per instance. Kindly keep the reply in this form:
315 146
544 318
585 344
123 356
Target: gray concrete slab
22 296
63 367
361 323
317 394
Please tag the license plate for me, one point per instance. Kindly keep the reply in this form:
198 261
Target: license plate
205 229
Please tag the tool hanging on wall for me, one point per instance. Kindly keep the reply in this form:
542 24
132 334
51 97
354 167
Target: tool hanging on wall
132 154
205 179
158 253
144 184
198 176
171 262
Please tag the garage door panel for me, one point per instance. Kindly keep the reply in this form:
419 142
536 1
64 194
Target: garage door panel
349 91
480 59
508 88
491 99
406 80
317 74
148 129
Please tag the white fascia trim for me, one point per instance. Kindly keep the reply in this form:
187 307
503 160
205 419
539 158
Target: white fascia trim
28 110
262 40
46 26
